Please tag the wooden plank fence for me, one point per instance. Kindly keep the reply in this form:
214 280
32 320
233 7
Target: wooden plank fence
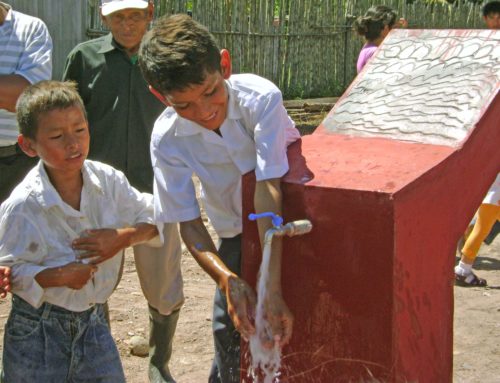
306 47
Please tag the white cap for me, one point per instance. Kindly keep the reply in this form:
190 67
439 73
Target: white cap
110 6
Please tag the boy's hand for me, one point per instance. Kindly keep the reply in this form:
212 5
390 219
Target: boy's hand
241 306
4 281
77 274
100 244
279 319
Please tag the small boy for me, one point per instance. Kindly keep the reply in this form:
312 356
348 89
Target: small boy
491 14
62 233
219 127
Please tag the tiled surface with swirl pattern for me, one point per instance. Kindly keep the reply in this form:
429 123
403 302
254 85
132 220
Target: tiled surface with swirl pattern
427 86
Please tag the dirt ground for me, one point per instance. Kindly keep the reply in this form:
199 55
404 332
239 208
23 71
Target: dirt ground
477 323
476 332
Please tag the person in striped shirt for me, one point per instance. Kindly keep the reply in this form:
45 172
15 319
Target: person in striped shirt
26 58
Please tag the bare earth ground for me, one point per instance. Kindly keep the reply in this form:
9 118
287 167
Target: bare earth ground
476 336
477 323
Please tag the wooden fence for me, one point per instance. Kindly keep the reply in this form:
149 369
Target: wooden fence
306 47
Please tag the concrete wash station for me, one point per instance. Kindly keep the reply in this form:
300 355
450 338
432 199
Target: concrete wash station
389 180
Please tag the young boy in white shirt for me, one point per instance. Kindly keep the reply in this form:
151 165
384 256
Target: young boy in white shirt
62 232
219 127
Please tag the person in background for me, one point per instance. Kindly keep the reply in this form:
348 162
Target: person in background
489 210
374 26
62 232
121 113
219 127
491 14
25 58
487 214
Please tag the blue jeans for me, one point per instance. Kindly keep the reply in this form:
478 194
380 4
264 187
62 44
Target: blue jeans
226 364
54 345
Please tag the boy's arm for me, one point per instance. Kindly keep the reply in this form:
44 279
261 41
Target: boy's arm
240 296
268 198
73 275
102 244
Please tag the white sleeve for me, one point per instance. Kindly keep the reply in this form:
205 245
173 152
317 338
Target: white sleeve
136 207
23 249
133 206
271 138
174 191
35 63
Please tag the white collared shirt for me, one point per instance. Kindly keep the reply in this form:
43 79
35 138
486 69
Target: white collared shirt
255 135
37 228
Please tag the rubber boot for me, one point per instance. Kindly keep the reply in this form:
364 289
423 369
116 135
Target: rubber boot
161 335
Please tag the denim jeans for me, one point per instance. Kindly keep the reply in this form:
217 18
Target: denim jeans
226 364
54 345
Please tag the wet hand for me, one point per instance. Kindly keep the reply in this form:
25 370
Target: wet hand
99 245
279 321
241 306
4 281
78 274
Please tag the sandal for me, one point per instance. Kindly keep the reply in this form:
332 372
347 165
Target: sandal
471 280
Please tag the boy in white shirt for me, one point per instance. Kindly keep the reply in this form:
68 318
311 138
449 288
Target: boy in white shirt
219 127
62 232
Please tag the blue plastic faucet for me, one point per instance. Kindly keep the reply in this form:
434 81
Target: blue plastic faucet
276 219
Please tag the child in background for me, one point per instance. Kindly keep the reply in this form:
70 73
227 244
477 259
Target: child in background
374 26
487 214
489 211
62 233
491 14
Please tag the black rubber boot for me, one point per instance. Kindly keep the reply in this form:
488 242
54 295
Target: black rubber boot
161 335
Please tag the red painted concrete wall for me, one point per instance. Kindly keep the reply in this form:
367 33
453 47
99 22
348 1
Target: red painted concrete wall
371 287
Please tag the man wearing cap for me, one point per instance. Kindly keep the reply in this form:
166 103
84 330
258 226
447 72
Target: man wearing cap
121 113
25 58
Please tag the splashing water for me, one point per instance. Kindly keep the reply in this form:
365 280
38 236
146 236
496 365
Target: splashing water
265 362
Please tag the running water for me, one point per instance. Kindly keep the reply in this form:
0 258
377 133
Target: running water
265 362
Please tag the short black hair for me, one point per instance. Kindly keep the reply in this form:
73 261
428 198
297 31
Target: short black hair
44 97
177 53
490 7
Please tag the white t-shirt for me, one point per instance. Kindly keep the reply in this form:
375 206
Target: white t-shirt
25 50
37 228
255 135
493 195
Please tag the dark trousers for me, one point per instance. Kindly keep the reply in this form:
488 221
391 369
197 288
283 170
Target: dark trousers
226 364
13 169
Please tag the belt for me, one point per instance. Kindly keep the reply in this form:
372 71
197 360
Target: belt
8 151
